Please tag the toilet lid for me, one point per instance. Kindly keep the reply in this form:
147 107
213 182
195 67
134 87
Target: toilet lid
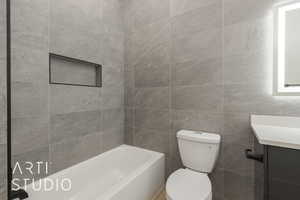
186 184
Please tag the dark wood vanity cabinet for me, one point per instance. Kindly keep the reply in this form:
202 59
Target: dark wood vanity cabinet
282 173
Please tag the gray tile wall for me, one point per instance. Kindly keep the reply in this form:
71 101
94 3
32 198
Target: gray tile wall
203 65
3 113
193 64
63 124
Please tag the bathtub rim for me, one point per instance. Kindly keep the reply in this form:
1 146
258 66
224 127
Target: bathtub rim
154 157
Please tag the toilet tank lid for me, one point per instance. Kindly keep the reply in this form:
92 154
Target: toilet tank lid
199 136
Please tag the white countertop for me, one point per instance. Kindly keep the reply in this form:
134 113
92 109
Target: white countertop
277 131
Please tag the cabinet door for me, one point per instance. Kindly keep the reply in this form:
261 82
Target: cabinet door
283 173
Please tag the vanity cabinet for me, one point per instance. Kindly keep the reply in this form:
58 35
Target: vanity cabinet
280 137
282 173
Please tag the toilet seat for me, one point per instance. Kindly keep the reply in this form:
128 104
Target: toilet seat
185 184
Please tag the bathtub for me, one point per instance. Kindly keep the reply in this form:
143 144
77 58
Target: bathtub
123 173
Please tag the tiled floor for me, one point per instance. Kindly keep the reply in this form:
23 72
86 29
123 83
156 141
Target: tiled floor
162 196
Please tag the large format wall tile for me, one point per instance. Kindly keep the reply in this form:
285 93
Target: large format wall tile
73 125
112 118
197 120
178 7
29 99
112 97
154 97
146 12
67 99
29 64
153 119
112 15
29 133
201 45
29 23
243 98
237 129
152 76
79 33
112 50
73 44
75 150
236 11
147 34
113 76
142 42
197 72
151 139
233 158
113 138
207 98
290 106
248 68
248 37
153 69
203 18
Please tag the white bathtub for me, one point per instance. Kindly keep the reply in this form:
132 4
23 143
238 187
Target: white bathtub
123 173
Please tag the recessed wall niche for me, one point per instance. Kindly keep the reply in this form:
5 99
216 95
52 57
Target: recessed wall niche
71 71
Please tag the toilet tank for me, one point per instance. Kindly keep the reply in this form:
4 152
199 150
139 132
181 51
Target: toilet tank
198 150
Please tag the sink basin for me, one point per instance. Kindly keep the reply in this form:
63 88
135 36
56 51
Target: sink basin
277 131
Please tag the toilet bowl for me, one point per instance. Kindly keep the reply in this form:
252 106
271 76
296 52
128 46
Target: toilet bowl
199 152
189 185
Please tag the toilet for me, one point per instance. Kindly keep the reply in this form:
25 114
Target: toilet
199 152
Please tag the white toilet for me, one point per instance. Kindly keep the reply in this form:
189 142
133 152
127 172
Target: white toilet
199 152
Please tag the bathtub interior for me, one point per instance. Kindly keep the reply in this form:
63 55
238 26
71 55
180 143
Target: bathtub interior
97 177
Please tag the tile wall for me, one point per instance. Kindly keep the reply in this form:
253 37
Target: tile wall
202 65
3 99
62 124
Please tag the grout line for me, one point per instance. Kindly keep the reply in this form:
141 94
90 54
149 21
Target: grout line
222 60
50 156
170 138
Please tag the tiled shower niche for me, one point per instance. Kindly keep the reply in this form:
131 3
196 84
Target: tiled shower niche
71 71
